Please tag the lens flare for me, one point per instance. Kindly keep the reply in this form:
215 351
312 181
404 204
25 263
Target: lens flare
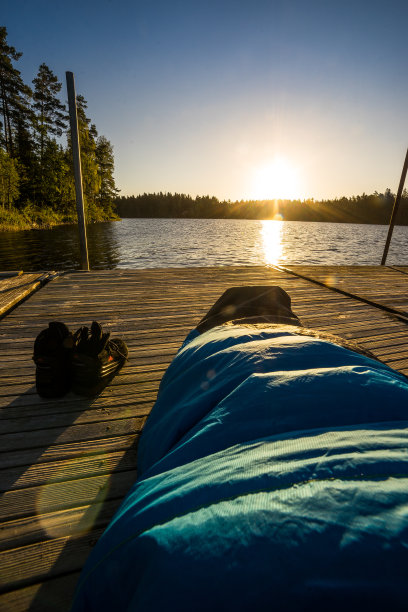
61 489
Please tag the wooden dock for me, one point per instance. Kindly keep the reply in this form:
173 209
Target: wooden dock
66 464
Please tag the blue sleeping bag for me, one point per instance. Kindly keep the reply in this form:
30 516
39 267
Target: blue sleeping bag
272 476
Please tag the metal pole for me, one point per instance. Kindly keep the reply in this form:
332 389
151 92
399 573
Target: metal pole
395 209
76 153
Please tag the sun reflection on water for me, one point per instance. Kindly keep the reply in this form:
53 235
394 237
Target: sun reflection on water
272 241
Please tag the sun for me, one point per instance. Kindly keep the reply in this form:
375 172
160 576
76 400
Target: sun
276 179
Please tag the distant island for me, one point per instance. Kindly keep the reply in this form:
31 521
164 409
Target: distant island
375 208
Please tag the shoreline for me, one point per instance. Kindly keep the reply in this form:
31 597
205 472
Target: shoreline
22 225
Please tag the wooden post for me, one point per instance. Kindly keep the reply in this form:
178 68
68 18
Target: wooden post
395 209
76 152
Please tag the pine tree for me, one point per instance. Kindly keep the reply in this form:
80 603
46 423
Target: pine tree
58 179
13 94
89 166
9 180
51 115
24 151
50 121
105 161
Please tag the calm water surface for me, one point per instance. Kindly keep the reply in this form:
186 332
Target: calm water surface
161 243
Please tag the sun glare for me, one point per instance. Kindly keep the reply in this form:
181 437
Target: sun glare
277 179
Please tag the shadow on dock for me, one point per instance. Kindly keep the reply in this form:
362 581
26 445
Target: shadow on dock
65 467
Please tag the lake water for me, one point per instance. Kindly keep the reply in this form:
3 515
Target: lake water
161 243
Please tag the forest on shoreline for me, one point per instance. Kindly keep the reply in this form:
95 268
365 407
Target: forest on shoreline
36 174
375 208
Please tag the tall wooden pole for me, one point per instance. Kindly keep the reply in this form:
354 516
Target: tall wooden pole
395 209
76 152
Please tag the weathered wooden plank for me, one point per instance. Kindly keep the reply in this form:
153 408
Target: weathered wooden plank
58 471
61 523
8 283
62 435
389 352
65 494
71 450
36 562
14 290
65 419
142 364
10 273
121 379
135 320
49 596
394 339
389 289
75 407
20 396
139 344
92 300
397 363
31 404
383 336
136 355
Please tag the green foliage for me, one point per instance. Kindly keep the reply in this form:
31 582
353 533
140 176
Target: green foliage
36 173
57 179
105 162
14 94
9 180
49 121
89 163
50 113
31 216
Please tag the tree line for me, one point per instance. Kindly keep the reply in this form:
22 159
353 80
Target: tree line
375 208
36 171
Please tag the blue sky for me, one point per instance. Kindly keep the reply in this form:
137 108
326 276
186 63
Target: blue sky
233 98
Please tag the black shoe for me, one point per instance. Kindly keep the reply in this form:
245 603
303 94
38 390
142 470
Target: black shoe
95 360
52 357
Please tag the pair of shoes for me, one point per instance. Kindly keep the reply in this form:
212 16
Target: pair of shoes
96 359
84 362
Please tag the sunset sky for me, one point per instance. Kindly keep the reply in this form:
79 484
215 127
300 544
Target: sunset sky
233 98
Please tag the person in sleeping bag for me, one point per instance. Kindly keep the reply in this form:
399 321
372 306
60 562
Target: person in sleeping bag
272 475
